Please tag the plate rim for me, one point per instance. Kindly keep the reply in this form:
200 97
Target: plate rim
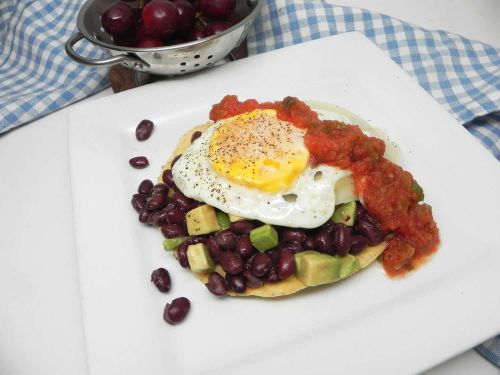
117 98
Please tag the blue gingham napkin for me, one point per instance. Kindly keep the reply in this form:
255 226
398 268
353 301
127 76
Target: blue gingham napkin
36 76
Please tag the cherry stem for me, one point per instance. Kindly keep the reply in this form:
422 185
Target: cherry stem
200 19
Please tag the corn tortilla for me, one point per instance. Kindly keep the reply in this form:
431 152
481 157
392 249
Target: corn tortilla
268 290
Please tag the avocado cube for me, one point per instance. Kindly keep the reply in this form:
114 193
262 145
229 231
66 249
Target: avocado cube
202 220
199 259
233 218
222 219
345 213
298 259
315 268
172 243
349 265
264 238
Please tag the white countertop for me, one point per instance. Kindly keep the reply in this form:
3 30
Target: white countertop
477 19
40 318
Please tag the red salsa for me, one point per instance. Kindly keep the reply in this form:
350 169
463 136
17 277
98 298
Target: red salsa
390 194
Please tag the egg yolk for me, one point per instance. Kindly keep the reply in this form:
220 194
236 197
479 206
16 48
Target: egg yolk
256 149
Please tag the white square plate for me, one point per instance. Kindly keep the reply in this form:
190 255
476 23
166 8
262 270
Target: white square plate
366 323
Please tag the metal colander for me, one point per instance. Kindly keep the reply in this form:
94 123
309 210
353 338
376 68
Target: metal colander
172 60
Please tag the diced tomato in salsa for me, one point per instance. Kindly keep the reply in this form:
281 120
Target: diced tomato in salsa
387 190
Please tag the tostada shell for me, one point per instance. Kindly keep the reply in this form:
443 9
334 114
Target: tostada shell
281 288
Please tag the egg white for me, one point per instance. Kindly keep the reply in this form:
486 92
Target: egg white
308 203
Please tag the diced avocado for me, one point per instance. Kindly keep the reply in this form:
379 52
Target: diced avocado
298 259
222 219
418 189
172 243
264 238
202 220
199 259
233 218
349 264
313 268
345 213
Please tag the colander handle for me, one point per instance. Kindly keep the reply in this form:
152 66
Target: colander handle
129 60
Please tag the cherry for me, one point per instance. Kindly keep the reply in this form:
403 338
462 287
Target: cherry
218 26
234 18
150 43
160 19
186 13
217 9
200 31
118 19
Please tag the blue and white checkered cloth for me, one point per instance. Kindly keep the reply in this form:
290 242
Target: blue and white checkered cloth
37 78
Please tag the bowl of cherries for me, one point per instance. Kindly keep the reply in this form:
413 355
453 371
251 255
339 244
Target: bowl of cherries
166 37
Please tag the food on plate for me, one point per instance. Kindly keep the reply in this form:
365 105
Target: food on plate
161 279
144 129
270 198
176 311
158 23
139 162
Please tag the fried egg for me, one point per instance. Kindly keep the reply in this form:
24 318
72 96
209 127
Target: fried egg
256 166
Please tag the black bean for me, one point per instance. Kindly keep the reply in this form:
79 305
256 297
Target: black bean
244 246
342 239
191 240
309 243
161 279
159 189
226 239
237 283
214 248
176 311
261 264
285 266
293 235
156 202
370 230
231 263
173 230
182 202
174 160
216 284
327 227
139 162
358 243
168 178
197 134
252 281
323 242
242 226
144 216
274 253
294 247
182 255
176 216
248 262
143 130
272 276
159 218
145 187
360 211
138 202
